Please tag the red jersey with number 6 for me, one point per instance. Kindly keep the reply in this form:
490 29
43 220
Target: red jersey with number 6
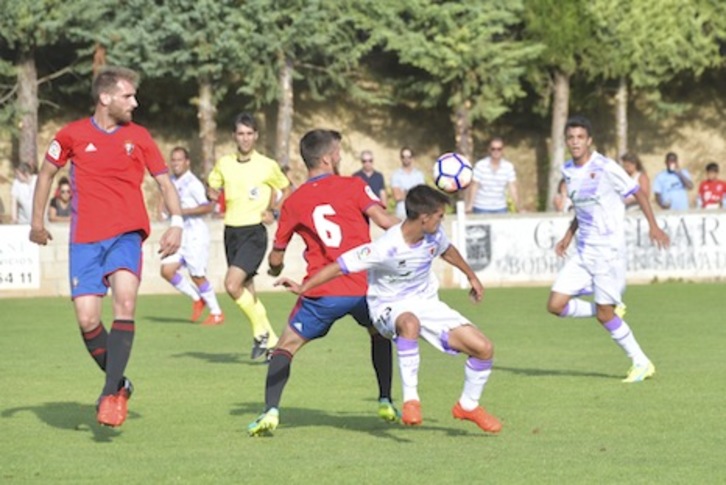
107 170
329 213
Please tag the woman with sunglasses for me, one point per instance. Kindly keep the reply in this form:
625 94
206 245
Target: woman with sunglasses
60 205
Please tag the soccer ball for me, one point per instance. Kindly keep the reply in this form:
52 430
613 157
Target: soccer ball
452 172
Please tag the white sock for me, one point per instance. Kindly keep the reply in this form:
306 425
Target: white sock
577 308
408 362
624 337
185 286
210 298
476 373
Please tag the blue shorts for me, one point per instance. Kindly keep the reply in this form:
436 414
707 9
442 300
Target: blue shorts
312 317
92 263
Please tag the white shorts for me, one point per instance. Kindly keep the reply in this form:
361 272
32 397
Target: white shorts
193 253
601 273
436 318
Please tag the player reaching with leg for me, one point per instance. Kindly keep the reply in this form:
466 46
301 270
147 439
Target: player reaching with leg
194 251
404 302
331 214
598 187
109 155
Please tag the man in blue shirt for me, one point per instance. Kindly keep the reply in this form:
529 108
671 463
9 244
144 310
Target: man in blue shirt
372 177
671 186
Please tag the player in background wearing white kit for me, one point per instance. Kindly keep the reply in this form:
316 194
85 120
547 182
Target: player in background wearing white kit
194 251
404 302
598 187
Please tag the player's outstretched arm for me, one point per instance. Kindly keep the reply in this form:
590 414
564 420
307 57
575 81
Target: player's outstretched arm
170 241
38 233
326 274
564 243
381 217
454 258
657 235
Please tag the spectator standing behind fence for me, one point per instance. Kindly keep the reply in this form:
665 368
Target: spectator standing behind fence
711 191
404 179
21 191
634 167
671 186
59 209
372 177
494 176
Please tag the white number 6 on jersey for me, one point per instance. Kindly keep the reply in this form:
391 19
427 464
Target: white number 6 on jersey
328 230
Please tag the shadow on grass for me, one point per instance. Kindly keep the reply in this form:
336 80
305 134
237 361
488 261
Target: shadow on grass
294 417
228 358
555 372
71 416
158 319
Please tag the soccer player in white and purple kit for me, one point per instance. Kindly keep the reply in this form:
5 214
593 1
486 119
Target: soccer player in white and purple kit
598 187
194 251
404 302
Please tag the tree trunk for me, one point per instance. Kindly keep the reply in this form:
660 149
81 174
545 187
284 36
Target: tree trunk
464 137
621 117
206 112
560 112
27 104
284 111
99 58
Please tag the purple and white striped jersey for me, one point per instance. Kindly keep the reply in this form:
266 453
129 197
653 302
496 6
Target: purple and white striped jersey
396 270
597 190
192 194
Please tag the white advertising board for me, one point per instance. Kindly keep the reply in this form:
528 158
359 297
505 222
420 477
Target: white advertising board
19 259
520 249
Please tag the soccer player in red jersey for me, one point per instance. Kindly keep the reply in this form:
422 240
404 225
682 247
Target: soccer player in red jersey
712 190
109 156
331 213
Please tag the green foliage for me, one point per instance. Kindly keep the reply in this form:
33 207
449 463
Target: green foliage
458 52
563 28
651 42
188 40
322 39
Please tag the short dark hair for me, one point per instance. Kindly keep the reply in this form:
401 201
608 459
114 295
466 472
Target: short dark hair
634 159
579 121
712 167
245 119
671 156
180 149
400 153
106 79
423 199
317 143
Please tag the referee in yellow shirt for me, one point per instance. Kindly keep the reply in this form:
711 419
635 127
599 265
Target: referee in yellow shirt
248 179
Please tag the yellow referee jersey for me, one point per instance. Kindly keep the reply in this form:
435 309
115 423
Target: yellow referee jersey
247 186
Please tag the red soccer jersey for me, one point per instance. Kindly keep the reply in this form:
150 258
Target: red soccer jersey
107 170
711 193
328 212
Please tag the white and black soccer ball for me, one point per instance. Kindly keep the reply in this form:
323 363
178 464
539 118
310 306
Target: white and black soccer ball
452 172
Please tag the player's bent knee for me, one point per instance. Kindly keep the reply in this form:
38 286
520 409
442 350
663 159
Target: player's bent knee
88 323
556 307
408 326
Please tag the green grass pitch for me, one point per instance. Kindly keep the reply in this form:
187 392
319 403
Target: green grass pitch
556 387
